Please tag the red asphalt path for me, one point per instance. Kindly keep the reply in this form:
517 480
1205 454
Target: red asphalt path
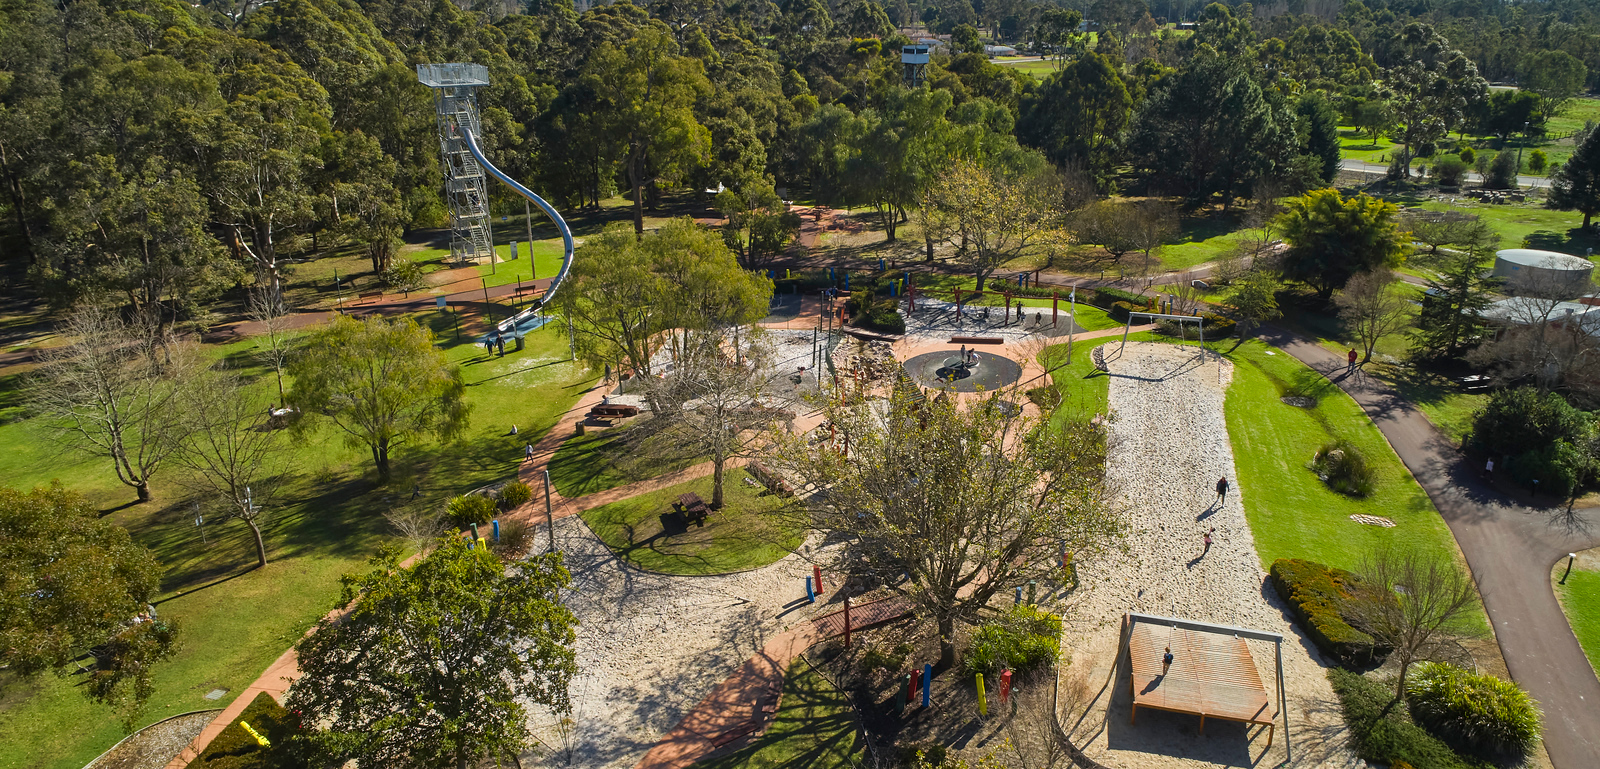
1510 548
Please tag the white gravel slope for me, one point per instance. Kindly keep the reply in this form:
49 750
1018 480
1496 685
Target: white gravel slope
1171 446
651 646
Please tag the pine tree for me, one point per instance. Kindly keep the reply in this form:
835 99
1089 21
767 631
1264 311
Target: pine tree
1577 185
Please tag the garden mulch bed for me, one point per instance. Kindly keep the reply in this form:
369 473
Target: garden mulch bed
155 745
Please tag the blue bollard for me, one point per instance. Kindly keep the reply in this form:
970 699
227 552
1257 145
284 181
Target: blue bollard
1018 597
811 591
497 529
847 281
830 273
927 683
881 266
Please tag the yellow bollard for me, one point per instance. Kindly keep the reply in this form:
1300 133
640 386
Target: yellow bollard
483 543
260 740
983 702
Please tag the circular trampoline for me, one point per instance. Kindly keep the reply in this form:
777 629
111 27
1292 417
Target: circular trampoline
946 370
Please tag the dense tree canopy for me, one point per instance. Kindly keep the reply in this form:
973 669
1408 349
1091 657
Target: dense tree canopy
1332 238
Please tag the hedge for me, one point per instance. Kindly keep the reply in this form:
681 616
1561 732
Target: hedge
235 748
1120 311
1106 297
1024 639
1317 595
1381 731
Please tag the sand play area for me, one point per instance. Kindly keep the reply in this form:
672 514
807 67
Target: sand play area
1170 445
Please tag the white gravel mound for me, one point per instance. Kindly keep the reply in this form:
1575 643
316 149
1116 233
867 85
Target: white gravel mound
651 646
1171 446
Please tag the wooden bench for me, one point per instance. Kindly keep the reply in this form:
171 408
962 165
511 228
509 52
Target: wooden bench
369 295
607 411
977 340
774 482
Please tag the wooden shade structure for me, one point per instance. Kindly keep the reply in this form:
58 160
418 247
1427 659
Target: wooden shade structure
1212 673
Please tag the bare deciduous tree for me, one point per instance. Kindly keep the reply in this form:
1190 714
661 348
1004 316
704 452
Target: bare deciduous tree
275 341
419 523
230 451
1420 606
1544 339
995 215
713 400
113 391
951 505
1371 310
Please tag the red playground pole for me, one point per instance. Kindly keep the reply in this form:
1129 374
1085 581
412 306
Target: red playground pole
958 304
1005 686
1055 303
816 571
1007 295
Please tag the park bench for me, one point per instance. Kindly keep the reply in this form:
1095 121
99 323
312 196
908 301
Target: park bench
373 295
774 482
613 411
692 507
977 340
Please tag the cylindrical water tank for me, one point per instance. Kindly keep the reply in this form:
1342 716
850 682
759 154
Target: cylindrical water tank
1543 272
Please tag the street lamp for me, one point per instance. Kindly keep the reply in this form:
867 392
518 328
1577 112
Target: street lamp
1570 558
1525 125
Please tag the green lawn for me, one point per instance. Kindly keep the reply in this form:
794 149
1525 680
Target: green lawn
609 458
328 519
1580 599
741 536
813 729
1542 227
1292 513
1360 146
1202 239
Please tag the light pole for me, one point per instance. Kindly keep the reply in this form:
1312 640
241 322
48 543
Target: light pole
1525 125
1570 558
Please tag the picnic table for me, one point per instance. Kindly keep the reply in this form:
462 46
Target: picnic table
692 507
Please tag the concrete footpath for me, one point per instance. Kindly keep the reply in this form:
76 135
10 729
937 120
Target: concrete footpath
1510 548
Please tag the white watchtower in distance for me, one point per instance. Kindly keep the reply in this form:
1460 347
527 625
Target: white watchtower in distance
465 188
914 59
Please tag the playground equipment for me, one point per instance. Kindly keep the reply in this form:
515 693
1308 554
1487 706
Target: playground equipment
455 99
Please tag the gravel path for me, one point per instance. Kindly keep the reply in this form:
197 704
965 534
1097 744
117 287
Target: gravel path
156 744
651 646
1171 446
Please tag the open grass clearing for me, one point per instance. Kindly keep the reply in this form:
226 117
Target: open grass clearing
329 518
813 729
606 459
742 535
1580 600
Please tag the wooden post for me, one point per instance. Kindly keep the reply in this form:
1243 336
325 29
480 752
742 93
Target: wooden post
1055 305
847 622
1007 296
958 304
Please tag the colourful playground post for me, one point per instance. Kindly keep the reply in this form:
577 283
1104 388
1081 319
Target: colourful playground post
811 592
496 529
1055 304
983 701
927 683
847 622
1005 687
816 571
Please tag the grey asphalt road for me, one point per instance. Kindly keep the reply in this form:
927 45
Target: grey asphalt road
1510 548
1362 166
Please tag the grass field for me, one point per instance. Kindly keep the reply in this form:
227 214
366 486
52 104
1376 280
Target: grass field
1580 599
607 459
813 729
1544 228
1292 514
327 519
739 537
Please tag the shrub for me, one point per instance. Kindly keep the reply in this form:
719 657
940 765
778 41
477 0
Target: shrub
234 748
405 275
1046 398
1382 733
514 494
890 661
1024 639
1537 161
1554 469
1317 596
1108 297
1502 172
516 539
1217 326
1479 711
886 320
1449 170
467 510
1468 156
1520 420
1119 311
1341 466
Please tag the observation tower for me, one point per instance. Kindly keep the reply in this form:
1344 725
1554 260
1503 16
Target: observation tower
466 188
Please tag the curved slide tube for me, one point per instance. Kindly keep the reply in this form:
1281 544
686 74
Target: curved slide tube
561 224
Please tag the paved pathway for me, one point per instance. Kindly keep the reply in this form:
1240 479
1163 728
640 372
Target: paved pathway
1510 548
1362 166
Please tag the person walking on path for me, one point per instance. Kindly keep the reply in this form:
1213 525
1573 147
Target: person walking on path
527 453
1166 660
1222 489
1352 358
1207 540
500 342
